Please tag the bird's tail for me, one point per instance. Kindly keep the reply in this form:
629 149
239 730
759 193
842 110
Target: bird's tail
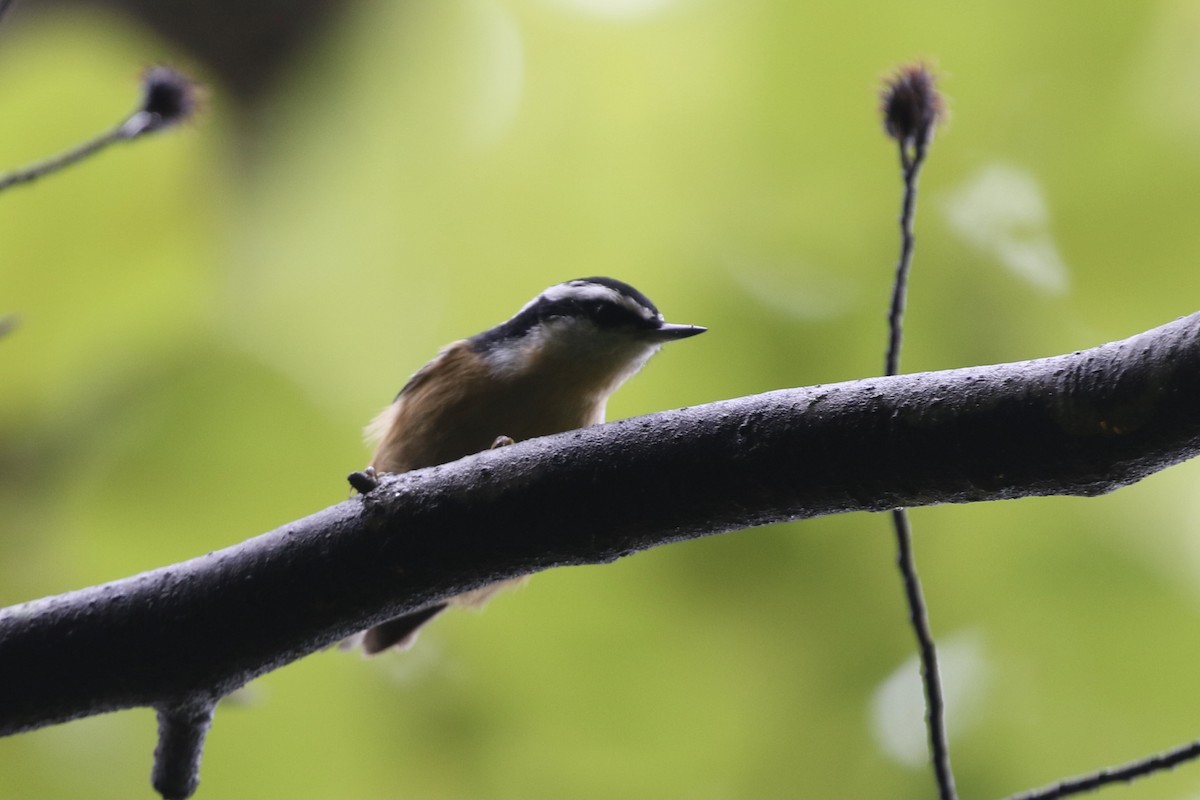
400 632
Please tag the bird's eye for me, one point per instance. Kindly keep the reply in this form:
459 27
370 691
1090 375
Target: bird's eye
604 313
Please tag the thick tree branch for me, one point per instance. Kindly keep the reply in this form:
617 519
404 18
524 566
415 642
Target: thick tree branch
1078 424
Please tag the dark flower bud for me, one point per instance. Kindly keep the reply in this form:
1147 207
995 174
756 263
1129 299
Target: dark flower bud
168 98
911 105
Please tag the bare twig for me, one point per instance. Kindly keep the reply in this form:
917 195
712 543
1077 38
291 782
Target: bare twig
911 107
1123 774
168 98
918 615
911 169
74 155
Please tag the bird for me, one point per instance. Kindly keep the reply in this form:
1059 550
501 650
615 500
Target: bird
550 368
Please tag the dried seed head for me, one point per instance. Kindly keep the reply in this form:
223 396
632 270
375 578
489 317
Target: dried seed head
168 98
912 105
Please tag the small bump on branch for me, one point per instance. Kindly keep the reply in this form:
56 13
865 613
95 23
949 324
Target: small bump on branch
182 730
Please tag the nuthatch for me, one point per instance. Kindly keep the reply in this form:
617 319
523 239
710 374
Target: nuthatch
551 368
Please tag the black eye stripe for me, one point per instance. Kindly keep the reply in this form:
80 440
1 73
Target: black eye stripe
604 313
620 307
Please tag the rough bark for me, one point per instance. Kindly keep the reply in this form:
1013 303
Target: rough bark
183 635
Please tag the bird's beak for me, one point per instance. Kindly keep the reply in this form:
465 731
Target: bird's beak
669 332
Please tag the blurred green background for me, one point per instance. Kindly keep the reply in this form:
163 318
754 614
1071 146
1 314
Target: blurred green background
207 319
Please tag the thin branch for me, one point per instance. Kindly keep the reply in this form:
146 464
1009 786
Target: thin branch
168 98
918 617
911 170
76 154
1078 424
912 108
1123 774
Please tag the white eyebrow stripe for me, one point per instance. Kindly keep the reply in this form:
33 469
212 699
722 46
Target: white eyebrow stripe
582 290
